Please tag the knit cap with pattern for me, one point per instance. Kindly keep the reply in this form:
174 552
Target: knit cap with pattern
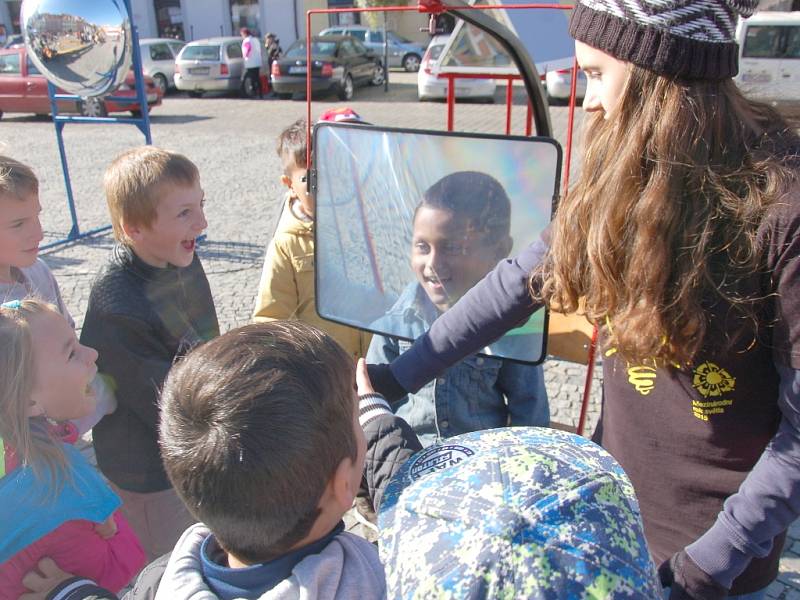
679 38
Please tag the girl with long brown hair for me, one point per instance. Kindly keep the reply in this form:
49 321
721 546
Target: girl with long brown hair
681 239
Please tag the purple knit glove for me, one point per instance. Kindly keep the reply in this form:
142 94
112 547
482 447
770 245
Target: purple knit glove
687 581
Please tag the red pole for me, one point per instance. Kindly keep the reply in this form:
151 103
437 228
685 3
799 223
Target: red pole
451 102
509 98
529 119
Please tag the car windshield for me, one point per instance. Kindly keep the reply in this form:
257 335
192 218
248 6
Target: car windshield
436 51
398 38
200 53
298 49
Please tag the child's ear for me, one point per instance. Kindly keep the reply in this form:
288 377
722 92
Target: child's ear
342 486
287 181
132 232
34 410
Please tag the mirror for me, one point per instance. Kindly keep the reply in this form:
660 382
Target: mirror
408 221
85 48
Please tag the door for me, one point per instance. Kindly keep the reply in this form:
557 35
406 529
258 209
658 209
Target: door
790 64
760 67
12 84
361 67
36 96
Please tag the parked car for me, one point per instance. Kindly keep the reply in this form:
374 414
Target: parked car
158 60
769 60
558 82
402 52
432 87
214 65
340 63
23 89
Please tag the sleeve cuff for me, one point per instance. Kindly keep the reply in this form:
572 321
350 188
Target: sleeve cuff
76 588
370 407
716 554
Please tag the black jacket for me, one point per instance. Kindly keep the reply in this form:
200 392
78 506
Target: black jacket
140 319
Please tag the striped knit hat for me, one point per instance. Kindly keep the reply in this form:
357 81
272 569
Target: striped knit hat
691 39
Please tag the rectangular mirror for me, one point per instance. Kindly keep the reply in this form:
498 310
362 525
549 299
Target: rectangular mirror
407 221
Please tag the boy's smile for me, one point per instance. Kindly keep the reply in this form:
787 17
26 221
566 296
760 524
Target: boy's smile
171 239
20 232
447 257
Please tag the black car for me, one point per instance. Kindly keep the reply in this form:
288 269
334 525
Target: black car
339 63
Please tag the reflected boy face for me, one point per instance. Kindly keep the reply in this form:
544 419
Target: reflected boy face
20 231
447 257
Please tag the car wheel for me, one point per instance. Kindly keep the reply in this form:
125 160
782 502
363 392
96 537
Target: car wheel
92 107
1 114
161 83
195 94
283 96
411 62
346 88
378 75
136 114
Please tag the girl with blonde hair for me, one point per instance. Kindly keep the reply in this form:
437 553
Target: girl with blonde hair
57 504
681 238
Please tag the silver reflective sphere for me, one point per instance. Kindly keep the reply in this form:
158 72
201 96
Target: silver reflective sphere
83 47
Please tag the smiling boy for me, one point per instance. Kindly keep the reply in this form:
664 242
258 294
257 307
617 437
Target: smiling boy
148 306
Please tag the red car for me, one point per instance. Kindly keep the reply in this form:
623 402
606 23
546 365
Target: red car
23 89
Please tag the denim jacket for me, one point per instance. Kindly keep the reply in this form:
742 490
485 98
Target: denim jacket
480 392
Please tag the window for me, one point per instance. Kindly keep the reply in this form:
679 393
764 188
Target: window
762 41
334 32
234 50
9 64
359 34
376 37
244 13
32 70
201 52
176 47
792 42
346 48
358 47
160 52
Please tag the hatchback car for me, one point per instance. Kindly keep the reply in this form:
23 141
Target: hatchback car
214 65
402 52
158 60
558 82
339 63
23 89
432 87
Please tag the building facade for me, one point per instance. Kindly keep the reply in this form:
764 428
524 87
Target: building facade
197 19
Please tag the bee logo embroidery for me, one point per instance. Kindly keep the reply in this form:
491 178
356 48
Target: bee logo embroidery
642 378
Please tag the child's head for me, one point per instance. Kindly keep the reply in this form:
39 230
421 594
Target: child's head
45 373
291 149
156 204
260 436
20 229
460 230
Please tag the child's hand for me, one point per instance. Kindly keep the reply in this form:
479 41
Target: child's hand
107 529
41 580
363 384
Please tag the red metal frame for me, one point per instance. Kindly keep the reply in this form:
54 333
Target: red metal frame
434 7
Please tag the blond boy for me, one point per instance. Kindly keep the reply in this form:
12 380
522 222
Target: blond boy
287 289
148 306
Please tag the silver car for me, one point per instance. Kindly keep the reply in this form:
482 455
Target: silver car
158 60
214 65
402 52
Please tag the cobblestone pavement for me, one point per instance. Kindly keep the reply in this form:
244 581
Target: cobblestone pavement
232 142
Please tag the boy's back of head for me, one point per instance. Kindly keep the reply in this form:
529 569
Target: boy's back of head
254 424
291 146
476 196
134 181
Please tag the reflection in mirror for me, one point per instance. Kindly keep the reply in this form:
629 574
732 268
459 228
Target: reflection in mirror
408 221
85 48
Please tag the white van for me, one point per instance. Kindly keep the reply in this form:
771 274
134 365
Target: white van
769 57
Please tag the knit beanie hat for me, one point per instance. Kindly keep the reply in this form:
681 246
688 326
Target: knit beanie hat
690 39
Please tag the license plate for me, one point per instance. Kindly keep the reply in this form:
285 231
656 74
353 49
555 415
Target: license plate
199 71
297 70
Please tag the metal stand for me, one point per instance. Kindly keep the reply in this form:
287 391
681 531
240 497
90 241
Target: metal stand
142 123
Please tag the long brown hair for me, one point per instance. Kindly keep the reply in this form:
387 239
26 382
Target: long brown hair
664 217
28 436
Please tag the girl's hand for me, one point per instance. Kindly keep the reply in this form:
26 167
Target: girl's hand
107 529
41 580
363 384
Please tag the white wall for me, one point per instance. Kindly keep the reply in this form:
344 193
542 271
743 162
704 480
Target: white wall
203 18
144 17
277 17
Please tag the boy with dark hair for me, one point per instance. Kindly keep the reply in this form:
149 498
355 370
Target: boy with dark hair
460 230
148 306
287 289
260 436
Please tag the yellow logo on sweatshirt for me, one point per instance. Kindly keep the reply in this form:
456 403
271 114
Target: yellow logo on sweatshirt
642 378
712 380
